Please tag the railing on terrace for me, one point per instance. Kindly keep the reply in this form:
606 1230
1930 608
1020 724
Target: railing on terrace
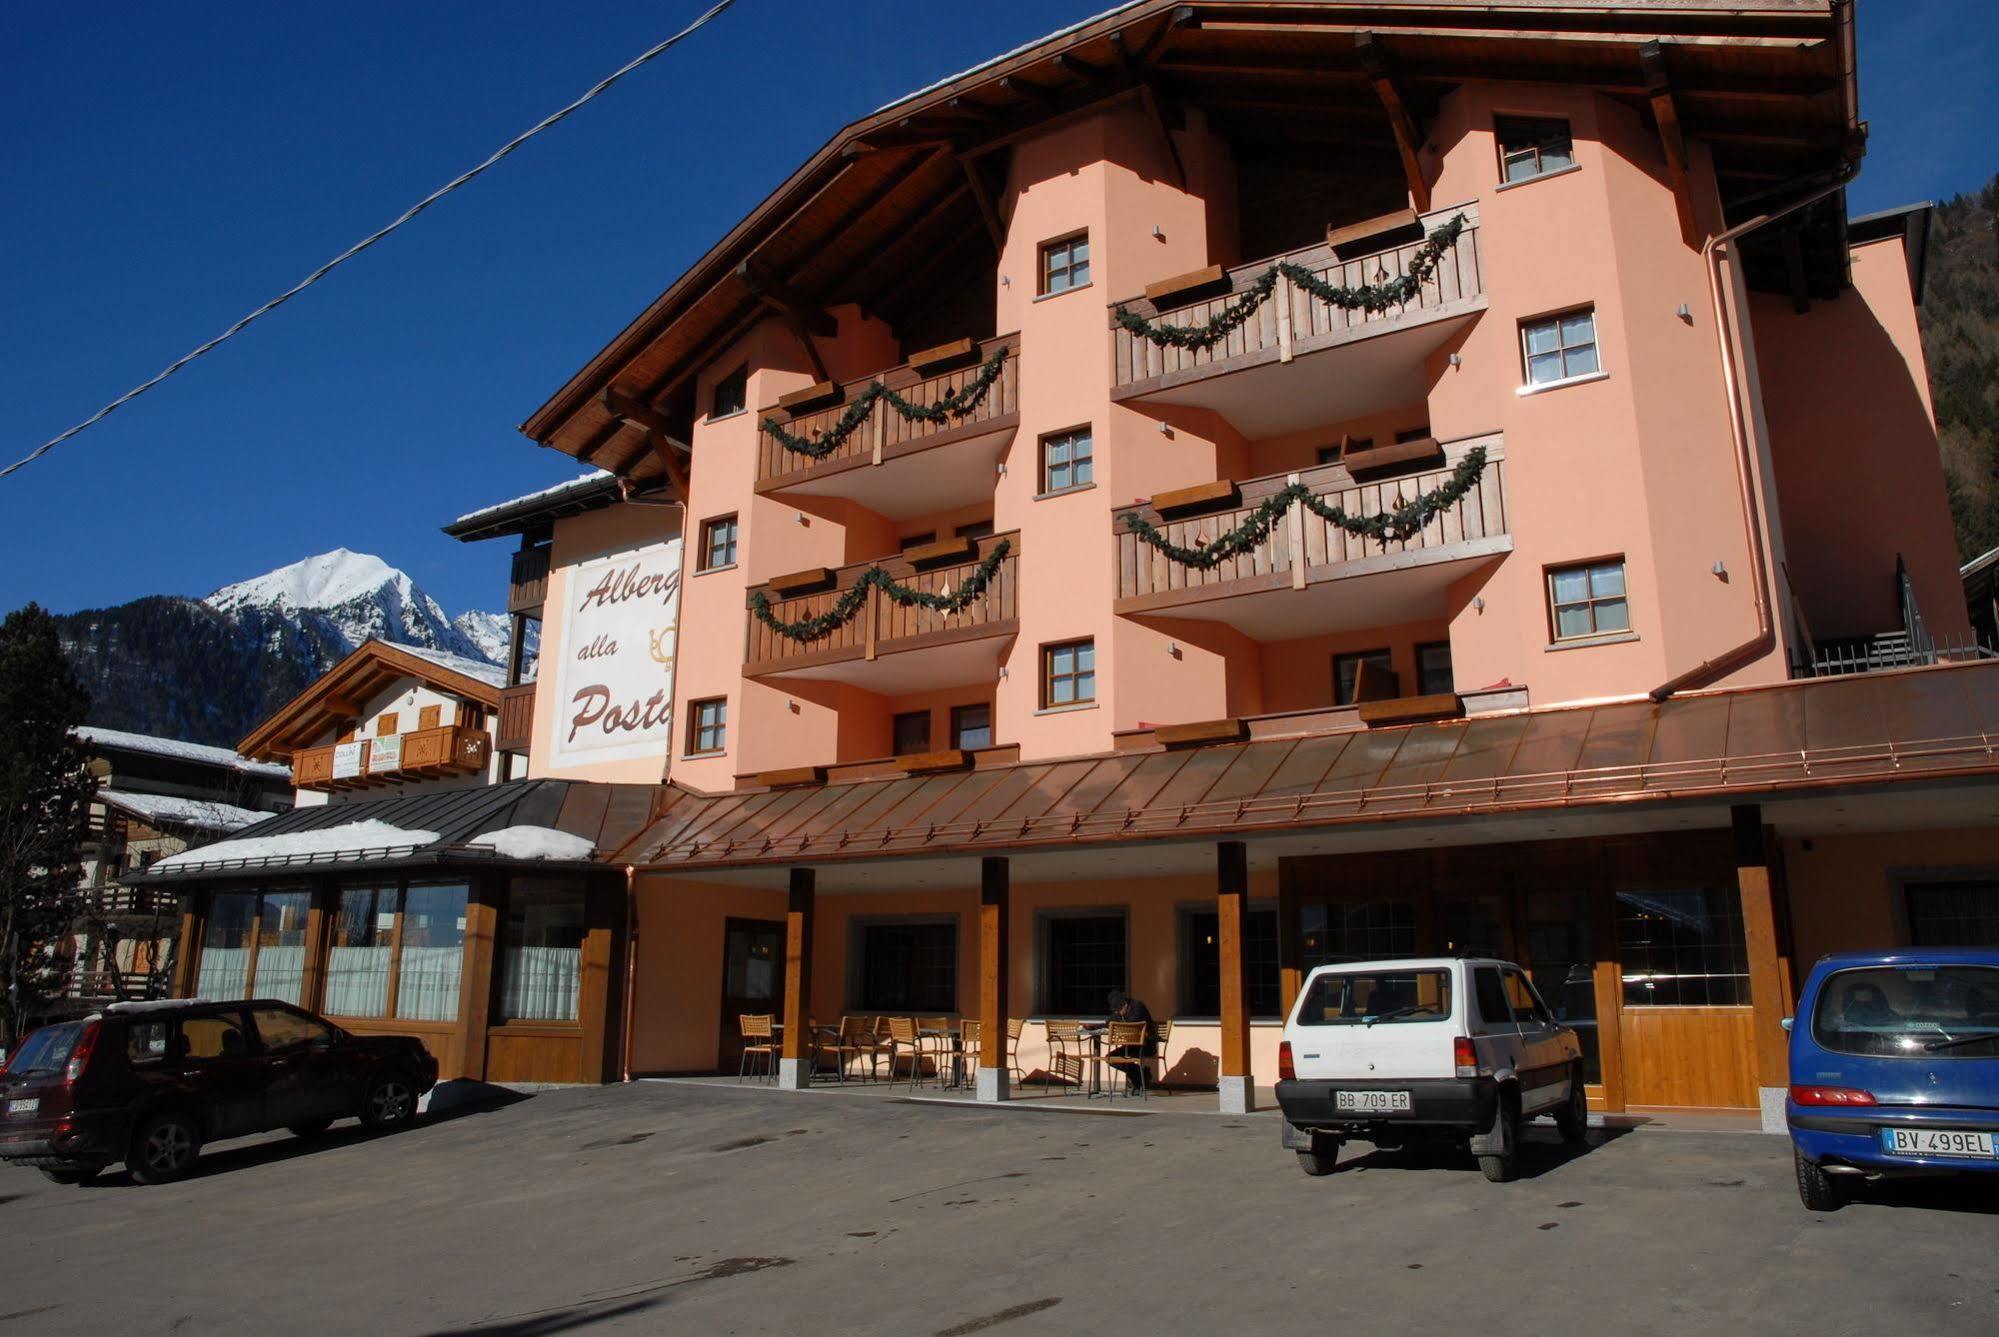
1292 321
885 433
1890 650
450 750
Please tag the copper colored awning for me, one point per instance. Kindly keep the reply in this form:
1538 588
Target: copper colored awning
1915 725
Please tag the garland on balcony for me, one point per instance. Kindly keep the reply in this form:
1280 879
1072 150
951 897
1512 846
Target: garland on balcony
968 397
849 603
1393 526
1372 298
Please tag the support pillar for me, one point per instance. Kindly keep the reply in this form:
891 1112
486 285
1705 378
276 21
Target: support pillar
1768 998
794 1067
1238 1087
994 1066
1290 942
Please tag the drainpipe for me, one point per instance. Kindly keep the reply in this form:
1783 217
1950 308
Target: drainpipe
1745 479
631 957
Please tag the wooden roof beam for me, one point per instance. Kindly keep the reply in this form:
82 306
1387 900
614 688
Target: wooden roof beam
1672 139
981 196
1408 139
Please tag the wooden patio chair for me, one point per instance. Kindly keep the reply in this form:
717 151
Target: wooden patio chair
1066 1045
966 1061
1015 1028
1123 1052
758 1038
904 1041
856 1039
1162 1031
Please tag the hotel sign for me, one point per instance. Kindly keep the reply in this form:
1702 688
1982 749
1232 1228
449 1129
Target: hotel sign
347 760
614 680
386 753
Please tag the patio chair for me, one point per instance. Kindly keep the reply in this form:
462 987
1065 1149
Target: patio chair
1066 1045
758 1038
1015 1027
904 1041
966 1061
1162 1031
856 1039
1123 1052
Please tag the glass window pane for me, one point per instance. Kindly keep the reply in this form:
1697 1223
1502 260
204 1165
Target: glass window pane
542 952
283 1032
1086 655
433 956
1543 337
1544 369
280 963
1086 686
1579 328
1571 586
1572 620
1555 156
1607 580
357 963
225 949
1580 361
1520 165
1061 691
1084 961
1062 659
1663 942
1613 615
1079 250
1954 914
1085 471
1058 450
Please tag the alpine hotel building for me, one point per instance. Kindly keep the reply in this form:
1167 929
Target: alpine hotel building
1230 486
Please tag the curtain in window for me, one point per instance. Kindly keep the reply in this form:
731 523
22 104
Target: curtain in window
541 983
428 987
357 981
225 973
281 973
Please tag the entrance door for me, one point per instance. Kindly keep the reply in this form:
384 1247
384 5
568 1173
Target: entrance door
752 980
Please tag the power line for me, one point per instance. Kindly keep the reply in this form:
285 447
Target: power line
369 240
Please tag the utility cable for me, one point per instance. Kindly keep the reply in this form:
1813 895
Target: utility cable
373 237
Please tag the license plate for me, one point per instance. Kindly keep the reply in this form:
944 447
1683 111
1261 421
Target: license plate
1936 1142
23 1108
1372 1102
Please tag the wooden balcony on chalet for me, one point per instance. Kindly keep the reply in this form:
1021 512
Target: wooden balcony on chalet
1308 576
938 466
887 647
513 727
1298 362
528 589
422 754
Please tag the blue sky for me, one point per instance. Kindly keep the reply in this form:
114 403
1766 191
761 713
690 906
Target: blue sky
168 167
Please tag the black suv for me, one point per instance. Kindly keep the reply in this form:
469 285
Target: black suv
149 1083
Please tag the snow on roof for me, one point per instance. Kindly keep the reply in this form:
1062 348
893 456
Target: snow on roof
1979 563
491 674
546 494
181 751
534 842
326 581
1008 55
201 814
351 838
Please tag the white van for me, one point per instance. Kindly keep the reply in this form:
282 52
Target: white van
1438 1048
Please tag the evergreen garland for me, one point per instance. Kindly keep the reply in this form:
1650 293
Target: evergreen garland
849 603
1403 522
968 397
1373 298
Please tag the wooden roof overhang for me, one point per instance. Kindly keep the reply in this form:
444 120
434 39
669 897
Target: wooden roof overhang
339 694
1916 726
905 196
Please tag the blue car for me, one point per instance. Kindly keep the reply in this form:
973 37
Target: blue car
1894 1069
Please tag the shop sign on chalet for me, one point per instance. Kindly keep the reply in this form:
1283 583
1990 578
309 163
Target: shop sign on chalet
346 761
614 681
386 754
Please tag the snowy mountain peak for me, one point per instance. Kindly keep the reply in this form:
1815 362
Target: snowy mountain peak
326 581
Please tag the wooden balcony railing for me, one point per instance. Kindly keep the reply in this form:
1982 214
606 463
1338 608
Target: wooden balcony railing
515 725
113 901
450 750
885 434
1292 321
1149 581
883 626
529 587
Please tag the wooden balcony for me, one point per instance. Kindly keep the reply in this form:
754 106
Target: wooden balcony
1298 362
937 466
887 647
426 754
514 727
529 587
1309 577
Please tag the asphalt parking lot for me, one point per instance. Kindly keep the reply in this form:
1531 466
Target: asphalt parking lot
676 1208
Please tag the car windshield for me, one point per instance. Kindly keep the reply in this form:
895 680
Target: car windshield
1933 1012
1371 997
46 1050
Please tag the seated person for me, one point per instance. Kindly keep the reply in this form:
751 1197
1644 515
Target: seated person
1123 1007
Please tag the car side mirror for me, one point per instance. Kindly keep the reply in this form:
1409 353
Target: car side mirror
1786 1022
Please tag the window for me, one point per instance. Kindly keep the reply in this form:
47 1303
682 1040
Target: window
1409 434
708 726
718 542
1082 960
1926 1012
912 733
541 942
1346 672
388 725
1354 444
357 964
1388 998
1065 264
365 977
1588 600
1433 669
909 967
1066 460
976 529
972 726
284 1032
1201 963
731 393
1356 931
254 942
908 541
226 945
427 717
1531 147
1559 348
1068 673
218 1036
1682 947
1492 1006
1526 1004
433 955
146 1041
1954 914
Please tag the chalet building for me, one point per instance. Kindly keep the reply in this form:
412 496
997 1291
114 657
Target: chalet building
1229 487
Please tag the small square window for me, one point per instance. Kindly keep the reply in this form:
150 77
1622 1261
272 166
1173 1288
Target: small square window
1433 669
1068 673
1065 264
912 733
1559 348
1588 600
731 393
972 726
976 529
707 726
1533 146
1346 672
718 542
1067 460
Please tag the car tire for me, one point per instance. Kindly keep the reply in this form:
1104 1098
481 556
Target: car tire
1817 1189
165 1148
389 1104
81 1174
1321 1158
1572 1119
1503 1167
313 1128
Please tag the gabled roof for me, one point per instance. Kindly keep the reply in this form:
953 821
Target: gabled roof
173 813
537 510
341 691
174 749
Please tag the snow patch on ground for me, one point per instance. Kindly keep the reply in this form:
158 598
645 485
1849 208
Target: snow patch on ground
533 842
348 839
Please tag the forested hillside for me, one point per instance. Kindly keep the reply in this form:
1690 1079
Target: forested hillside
1961 343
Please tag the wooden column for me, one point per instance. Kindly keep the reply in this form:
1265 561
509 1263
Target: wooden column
597 978
187 952
475 992
794 1069
993 911
1290 941
1766 974
320 914
1238 1093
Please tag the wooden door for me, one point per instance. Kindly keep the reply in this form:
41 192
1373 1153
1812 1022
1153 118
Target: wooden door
752 980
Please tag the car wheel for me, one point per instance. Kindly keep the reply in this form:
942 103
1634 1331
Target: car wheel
314 1128
1572 1119
81 1174
1817 1189
390 1103
1322 1157
1503 1166
165 1148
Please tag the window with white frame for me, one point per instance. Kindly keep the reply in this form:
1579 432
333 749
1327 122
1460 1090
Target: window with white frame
1559 348
1531 146
1588 600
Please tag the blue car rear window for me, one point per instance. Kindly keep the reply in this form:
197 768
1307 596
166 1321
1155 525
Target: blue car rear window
1931 1012
46 1050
